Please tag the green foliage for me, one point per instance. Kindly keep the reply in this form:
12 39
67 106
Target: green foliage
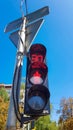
22 86
44 123
4 103
4 94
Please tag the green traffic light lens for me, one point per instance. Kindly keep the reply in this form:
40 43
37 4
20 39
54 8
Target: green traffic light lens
36 103
38 96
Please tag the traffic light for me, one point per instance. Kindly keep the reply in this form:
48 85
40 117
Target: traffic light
36 90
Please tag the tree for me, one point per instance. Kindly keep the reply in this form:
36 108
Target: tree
66 108
44 123
68 124
66 111
4 103
4 94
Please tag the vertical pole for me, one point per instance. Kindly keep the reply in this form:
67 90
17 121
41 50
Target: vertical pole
32 124
28 126
11 119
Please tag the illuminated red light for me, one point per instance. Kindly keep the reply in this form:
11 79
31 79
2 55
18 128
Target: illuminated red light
37 72
36 78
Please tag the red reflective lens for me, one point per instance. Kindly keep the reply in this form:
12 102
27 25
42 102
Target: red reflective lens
39 50
36 58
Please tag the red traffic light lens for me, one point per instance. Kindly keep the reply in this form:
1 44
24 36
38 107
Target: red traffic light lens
36 78
37 49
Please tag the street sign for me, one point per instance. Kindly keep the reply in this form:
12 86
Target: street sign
29 18
31 31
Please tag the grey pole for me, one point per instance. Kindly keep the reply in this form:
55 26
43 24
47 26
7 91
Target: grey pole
11 119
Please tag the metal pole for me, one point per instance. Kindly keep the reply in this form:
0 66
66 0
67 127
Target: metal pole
11 119
28 126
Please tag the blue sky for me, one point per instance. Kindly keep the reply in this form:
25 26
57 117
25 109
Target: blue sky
56 34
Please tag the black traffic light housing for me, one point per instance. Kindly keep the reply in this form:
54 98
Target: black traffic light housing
36 90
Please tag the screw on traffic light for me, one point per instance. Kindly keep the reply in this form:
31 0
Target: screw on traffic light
36 90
